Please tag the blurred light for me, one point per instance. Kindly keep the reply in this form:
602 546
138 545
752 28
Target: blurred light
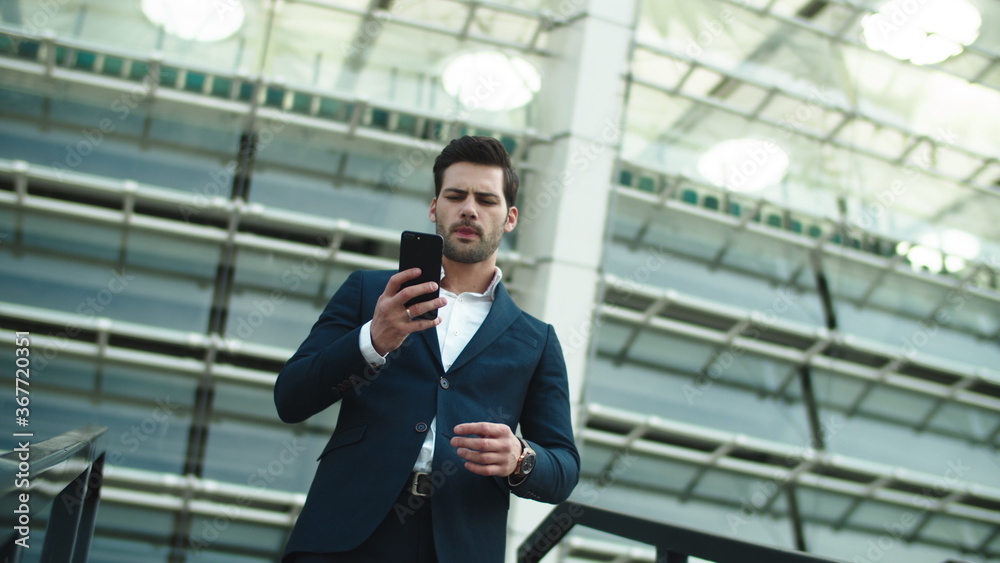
922 31
491 80
949 249
744 165
196 20
921 257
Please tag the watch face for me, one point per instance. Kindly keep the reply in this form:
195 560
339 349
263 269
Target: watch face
527 464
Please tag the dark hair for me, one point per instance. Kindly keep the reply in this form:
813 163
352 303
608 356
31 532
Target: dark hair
477 150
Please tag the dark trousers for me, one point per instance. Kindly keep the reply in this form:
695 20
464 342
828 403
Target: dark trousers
405 535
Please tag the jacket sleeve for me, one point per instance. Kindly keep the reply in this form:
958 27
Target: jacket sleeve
547 425
329 362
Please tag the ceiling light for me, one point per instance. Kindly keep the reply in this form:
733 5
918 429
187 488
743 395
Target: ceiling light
491 80
196 20
744 165
922 31
948 250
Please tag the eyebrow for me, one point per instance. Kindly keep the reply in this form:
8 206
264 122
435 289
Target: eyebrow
461 191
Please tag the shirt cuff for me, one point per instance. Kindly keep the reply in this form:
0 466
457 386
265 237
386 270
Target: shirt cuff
374 359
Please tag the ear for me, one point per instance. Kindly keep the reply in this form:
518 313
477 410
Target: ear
511 220
432 213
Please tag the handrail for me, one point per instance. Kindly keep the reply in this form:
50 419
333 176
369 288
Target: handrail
56 481
673 543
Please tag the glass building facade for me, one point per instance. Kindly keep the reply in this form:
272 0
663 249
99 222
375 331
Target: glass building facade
765 230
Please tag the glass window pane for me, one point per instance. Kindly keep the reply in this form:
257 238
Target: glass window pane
247 444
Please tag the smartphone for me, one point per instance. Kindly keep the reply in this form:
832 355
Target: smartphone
422 250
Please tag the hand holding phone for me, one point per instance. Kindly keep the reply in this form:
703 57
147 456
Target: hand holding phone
421 250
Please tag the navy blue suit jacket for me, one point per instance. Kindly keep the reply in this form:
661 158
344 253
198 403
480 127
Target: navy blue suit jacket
512 371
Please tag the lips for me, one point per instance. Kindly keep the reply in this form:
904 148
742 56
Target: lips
466 232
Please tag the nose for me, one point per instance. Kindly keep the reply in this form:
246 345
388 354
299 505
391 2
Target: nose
469 210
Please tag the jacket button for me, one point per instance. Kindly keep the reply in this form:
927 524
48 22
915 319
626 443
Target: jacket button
421 427
444 383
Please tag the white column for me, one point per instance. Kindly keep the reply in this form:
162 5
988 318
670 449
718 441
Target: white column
564 206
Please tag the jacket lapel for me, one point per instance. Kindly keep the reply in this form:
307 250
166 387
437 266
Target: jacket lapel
502 314
430 338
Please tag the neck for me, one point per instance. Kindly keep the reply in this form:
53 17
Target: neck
461 278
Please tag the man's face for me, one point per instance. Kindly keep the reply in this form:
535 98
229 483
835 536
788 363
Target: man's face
471 213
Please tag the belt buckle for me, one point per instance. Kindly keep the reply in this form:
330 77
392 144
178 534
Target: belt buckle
415 485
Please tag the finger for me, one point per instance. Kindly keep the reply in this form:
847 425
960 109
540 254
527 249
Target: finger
476 444
397 280
416 325
484 470
405 294
482 458
419 309
491 429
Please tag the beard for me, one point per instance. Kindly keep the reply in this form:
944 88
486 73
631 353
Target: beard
473 251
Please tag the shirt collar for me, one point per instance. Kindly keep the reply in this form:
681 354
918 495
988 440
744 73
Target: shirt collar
491 289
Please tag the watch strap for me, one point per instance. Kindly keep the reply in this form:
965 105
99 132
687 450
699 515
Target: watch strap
525 450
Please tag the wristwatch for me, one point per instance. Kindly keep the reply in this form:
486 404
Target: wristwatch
526 461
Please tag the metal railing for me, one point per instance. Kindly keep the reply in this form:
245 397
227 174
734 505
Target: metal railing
51 489
674 544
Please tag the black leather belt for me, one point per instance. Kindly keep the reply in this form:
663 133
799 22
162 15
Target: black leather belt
420 485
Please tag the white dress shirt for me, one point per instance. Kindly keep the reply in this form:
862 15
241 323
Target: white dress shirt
461 317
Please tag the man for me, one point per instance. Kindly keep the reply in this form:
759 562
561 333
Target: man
424 456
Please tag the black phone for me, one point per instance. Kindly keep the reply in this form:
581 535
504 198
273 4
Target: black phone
422 250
